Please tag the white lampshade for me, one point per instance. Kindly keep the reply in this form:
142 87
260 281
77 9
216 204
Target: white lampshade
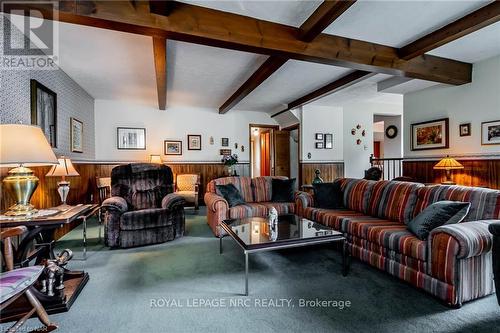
64 168
24 144
155 159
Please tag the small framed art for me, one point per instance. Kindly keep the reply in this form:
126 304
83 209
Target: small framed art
76 133
464 129
490 132
320 145
328 141
172 147
194 142
131 138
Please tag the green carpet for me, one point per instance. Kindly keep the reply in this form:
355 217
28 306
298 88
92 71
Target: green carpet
143 289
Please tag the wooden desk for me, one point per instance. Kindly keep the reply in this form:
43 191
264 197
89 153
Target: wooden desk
40 238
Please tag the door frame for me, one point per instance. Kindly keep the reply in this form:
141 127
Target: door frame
299 169
250 152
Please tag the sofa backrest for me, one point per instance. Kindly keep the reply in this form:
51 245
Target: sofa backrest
485 203
357 193
142 185
258 189
243 184
393 200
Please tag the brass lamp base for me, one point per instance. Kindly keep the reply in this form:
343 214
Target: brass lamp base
21 183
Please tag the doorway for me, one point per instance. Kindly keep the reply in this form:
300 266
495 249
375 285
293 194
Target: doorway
271 151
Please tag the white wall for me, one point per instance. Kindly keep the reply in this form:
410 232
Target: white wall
392 148
475 102
357 157
321 119
174 124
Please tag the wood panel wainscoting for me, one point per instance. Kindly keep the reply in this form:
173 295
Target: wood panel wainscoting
329 171
476 172
84 190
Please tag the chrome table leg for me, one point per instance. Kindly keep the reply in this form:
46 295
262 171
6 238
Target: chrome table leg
246 273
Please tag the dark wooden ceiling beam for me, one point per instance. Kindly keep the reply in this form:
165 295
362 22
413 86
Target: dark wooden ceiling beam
332 87
160 58
205 26
322 17
474 21
271 65
161 7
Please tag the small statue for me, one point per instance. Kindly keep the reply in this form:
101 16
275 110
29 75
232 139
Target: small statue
272 220
53 273
317 179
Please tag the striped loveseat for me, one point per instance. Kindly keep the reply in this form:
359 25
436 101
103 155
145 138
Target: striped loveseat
257 193
453 264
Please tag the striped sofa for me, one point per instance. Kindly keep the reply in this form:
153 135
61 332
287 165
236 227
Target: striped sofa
454 264
257 194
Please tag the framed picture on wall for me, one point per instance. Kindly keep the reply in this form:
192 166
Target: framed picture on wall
328 141
490 132
76 134
172 147
194 142
320 145
131 138
225 142
464 129
318 136
44 110
432 134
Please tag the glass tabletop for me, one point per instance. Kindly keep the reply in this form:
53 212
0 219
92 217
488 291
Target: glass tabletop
256 232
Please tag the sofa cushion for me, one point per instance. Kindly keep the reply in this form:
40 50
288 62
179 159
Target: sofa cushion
243 184
436 215
146 218
14 282
357 193
250 209
262 188
328 195
389 234
329 217
230 194
393 200
283 190
485 203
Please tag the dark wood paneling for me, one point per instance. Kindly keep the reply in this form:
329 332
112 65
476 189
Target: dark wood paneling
483 173
329 171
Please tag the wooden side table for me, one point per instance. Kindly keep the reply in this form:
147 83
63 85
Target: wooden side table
40 234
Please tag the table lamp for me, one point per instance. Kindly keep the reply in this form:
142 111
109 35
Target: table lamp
448 163
22 146
155 159
63 169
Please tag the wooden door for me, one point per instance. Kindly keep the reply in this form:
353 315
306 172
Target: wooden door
376 149
282 153
265 154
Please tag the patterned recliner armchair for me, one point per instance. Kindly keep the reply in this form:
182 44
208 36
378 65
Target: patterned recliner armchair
495 230
142 209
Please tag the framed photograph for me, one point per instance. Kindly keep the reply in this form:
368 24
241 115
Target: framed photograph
320 145
76 133
318 136
225 142
225 152
171 147
432 134
131 138
490 132
194 142
44 110
328 141
464 129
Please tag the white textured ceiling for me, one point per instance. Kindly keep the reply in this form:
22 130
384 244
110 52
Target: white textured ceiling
114 65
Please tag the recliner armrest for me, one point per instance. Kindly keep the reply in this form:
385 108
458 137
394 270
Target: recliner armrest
172 201
115 204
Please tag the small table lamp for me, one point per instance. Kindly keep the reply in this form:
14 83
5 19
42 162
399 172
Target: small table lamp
155 159
448 163
22 145
64 169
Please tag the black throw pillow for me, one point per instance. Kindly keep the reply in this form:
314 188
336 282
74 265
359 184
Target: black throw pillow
437 214
283 190
328 195
231 194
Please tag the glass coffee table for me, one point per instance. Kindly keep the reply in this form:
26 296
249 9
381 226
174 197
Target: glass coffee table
254 234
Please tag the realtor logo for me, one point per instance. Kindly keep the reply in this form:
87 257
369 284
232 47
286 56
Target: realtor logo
30 35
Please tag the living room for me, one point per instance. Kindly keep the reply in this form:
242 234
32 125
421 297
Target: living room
250 165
